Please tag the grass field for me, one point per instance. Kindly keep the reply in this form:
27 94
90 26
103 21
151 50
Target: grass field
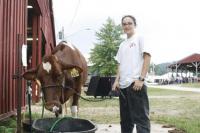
183 111
193 85
178 108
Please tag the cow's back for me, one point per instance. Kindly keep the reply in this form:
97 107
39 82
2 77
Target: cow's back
69 54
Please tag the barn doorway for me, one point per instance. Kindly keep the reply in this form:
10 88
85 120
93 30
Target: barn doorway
36 42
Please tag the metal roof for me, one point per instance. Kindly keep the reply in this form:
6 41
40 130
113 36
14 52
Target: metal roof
187 63
189 59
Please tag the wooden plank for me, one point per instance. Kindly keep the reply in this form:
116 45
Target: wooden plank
9 30
6 115
13 47
1 52
4 56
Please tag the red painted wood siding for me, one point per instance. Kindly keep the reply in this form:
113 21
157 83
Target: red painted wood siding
47 24
12 23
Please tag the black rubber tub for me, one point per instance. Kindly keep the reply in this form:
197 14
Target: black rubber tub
27 125
63 125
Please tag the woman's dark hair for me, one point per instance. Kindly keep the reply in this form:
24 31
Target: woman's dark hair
130 16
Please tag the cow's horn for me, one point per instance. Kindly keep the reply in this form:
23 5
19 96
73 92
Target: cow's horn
38 83
55 57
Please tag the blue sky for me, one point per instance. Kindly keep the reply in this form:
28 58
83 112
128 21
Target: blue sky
170 27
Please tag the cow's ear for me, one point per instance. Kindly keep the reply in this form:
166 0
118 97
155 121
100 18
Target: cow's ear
30 74
70 67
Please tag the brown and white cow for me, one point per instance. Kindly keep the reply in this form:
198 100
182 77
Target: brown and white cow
60 75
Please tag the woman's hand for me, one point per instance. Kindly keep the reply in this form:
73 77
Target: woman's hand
115 86
138 85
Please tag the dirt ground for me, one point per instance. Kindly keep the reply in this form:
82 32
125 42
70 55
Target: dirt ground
115 128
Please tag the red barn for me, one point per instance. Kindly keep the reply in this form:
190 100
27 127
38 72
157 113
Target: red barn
28 22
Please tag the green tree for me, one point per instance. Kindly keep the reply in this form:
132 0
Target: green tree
161 69
102 55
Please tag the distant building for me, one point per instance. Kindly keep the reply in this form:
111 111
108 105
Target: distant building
190 63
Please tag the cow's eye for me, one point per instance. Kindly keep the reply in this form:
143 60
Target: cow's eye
60 76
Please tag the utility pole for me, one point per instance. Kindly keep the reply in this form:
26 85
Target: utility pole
62 37
153 69
61 34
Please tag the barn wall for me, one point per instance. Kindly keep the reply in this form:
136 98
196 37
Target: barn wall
47 24
43 29
12 24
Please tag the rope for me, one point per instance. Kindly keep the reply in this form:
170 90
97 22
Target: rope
49 86
29 103
66 87
42 107
89 100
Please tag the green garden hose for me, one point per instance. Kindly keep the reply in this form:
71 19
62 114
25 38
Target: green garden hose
57 121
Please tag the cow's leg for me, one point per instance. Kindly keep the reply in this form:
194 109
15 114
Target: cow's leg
75 103
74 111
64 109
65 105
74 106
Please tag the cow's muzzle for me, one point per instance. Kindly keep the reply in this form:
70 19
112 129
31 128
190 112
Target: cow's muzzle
54 106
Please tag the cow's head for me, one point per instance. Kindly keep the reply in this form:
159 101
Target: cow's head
50 76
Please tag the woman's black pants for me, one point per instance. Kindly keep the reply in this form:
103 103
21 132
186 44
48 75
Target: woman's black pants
134 110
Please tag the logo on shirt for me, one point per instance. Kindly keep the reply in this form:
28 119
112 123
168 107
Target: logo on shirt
132 44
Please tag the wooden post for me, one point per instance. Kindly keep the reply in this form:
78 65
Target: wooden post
17 76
